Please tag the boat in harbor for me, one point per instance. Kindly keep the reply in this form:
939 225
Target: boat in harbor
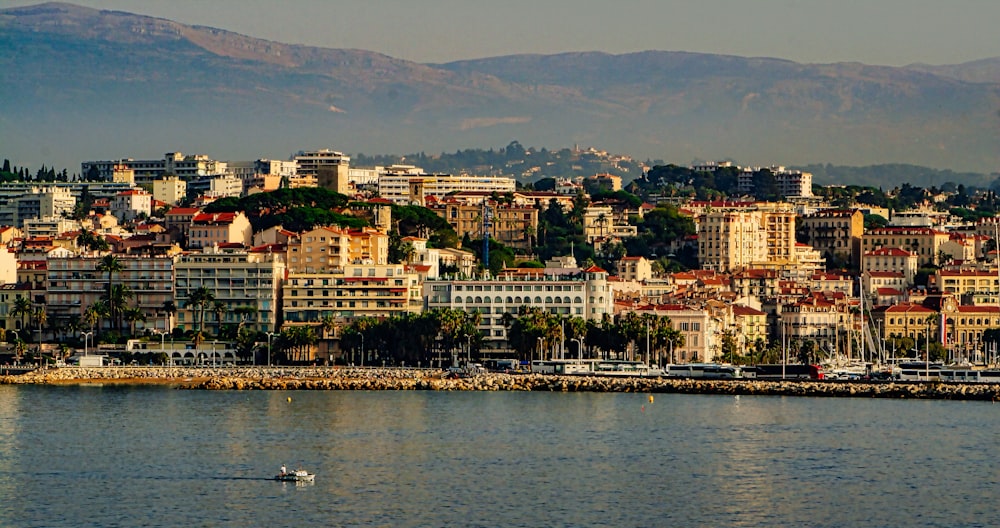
299 475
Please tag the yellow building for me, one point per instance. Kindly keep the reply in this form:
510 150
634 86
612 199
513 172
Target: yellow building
923 241
979 287
734 240
512 225
328 249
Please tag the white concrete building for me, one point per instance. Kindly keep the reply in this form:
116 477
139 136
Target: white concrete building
169 189
129 205
238 278
415 189
145 171
328 168
36 202
586 295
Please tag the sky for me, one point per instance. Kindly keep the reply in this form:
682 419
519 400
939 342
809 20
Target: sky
885 32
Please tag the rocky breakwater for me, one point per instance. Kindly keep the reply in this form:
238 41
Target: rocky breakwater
339 378
396 379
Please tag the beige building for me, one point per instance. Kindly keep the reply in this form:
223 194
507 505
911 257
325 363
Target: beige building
410 189
169 189
924 242
328 249
512 225
327 168
891 259
972 286
635 269
810 319
208 229
699 328
359 290
735 240
237 278
74 284
836 233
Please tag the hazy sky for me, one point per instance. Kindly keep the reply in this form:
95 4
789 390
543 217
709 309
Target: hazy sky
888 32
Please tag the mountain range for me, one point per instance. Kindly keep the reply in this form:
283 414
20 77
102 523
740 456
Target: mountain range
80 84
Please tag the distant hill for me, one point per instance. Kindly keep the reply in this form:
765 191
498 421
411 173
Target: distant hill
887 176
79 83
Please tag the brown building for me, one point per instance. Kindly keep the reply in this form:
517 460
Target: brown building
836 233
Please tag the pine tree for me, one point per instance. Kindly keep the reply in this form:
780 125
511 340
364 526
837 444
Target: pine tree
6 165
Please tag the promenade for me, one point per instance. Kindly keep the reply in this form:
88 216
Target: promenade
345 378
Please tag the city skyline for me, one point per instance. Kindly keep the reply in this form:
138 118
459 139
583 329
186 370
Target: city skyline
887 32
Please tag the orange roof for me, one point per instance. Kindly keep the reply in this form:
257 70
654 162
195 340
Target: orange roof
214 218
889 252
191 211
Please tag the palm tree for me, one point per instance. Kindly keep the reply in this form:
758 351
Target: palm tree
111 265
329 325
40 317
219 308
133 314
92 315
169 309
117 300
22 308
198 301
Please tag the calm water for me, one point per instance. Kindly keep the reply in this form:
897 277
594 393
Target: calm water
92 456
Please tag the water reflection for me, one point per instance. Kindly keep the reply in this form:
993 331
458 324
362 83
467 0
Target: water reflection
131 456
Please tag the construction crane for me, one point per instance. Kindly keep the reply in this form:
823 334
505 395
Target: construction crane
487 217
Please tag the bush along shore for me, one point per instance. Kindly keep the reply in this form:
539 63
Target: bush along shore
327 378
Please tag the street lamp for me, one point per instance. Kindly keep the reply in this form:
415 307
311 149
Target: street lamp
269 334
162 334
539 350
579 344
362 348
17 338
85 336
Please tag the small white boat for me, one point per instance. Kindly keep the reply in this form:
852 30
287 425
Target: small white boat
300 475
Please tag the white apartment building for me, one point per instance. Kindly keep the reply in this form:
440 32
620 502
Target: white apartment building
146 171
586 295
36 202
328 168
264 173
169 189
415 189
791 183
359 290
129 205
225 186
238 278
49 226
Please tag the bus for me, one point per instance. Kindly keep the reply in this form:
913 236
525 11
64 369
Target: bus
918 371
709 371
562 366
501 365
789 371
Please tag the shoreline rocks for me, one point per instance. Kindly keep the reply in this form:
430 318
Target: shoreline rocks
343 378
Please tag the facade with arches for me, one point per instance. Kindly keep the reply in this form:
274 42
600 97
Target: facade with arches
586 295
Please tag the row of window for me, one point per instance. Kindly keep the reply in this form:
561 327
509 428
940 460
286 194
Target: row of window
978 321
519 287
519 300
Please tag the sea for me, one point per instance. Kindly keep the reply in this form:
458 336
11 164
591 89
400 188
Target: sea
129 456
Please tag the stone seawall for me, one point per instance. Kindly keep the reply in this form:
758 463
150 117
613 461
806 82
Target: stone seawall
326 378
